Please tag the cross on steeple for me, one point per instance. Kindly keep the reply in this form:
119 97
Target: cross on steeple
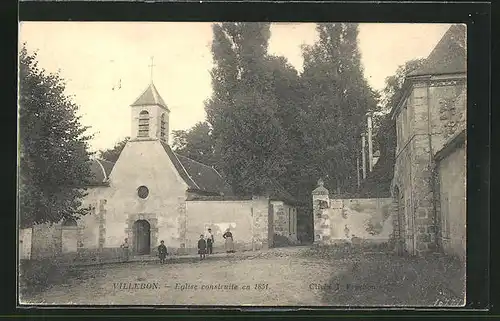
151 66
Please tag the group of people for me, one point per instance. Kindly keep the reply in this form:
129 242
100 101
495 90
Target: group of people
205 246
206 243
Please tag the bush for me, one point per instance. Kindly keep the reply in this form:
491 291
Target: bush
36 275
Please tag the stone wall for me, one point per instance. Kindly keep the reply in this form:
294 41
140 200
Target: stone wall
46 240
452 200
247 220
25 243
284 227
339 220
448 101
433 110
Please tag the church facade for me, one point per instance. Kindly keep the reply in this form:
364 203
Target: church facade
152 193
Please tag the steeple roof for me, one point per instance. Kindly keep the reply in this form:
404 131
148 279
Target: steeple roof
150 96
449 55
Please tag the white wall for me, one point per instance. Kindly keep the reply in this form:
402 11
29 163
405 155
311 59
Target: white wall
247 219
355 214
144 163
452 181
25 243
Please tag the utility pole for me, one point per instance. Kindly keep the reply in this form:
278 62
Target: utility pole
370 142
357 171
363 154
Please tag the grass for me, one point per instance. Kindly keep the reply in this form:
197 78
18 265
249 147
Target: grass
381 279
35 276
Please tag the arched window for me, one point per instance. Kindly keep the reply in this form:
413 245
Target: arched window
163 128
143 124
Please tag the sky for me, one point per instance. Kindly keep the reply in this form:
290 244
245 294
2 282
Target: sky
95 57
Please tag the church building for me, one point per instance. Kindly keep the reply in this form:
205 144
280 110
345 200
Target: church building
152 193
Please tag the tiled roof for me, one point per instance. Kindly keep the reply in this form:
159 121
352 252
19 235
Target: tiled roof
449 55
198 176
150 97
100 170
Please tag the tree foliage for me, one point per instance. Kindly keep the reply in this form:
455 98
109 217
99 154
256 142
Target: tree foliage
337 98
242 110
269 122
54 160
112 154
195 143
378 181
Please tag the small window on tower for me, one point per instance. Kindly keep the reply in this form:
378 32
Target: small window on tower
163 128
143 124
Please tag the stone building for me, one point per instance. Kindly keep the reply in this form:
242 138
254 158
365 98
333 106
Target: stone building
429 181
427 198
152 193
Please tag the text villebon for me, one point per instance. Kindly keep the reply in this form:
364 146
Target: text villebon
136 286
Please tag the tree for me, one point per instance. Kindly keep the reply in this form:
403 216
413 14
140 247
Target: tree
248 135
378 181
337 98
195 143
54 159
112 154
391 95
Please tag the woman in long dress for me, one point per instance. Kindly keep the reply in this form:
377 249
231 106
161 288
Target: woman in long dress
229 244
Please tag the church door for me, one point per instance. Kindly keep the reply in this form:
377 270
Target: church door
142 237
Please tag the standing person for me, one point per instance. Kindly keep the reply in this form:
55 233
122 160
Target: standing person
229 245
210 241
162 252
125 247
202 247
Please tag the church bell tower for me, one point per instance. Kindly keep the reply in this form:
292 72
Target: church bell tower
150 116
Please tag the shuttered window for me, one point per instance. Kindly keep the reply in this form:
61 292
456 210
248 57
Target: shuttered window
143 124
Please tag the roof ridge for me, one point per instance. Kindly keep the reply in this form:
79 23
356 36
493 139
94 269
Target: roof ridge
194 160
105 160
139 96
103 170
150 96
155 92
182 166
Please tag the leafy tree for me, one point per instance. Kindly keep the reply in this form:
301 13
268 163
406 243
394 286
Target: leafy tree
337 97
54 162
112 154
242 111
195 143
378 181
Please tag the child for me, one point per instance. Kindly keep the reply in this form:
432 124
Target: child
162 252
210 241
202 246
